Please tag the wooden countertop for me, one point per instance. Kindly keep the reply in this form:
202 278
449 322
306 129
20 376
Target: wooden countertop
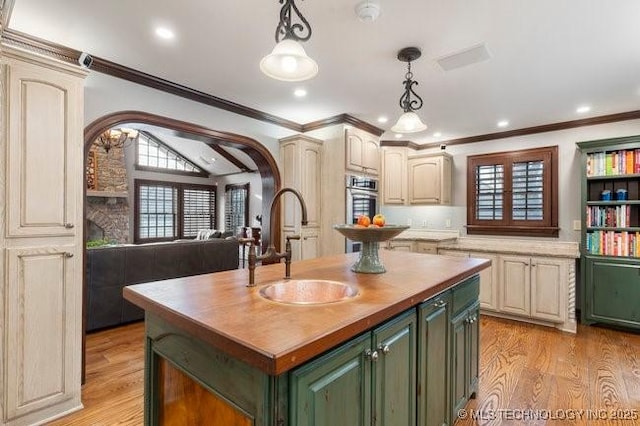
275 337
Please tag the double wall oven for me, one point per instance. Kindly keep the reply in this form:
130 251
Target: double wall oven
362 199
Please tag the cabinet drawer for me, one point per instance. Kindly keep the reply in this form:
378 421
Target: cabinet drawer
429 306
466 293
425 247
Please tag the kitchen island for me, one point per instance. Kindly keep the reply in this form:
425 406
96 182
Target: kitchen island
403 351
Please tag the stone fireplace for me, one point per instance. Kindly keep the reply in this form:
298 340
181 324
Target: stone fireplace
107 195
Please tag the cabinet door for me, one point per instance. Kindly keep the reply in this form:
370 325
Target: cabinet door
426 247
433 362
424 180
395 372
612 291
43 157
335 389
488 281
473 349
394 176
290 163
548 289
515 285
310 178
44 319
354 151
458 375
371 156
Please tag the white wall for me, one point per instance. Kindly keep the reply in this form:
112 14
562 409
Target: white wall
569 169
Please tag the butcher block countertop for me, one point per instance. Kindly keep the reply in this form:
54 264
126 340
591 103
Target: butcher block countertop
221 311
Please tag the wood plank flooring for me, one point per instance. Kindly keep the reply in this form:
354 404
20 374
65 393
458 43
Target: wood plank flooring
522 367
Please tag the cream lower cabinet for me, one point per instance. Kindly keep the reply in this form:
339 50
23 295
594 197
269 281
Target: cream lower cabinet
533 287
301 159
401 245
41 240
488 277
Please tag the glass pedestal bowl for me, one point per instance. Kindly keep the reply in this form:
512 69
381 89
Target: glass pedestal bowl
369 261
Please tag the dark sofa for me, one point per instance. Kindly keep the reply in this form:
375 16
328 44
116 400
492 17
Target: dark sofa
109 269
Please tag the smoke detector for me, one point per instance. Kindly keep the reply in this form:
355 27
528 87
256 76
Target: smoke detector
367 10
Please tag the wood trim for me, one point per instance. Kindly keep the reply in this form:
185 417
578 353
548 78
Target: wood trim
114 69
343 119
231 158
564 125
521 231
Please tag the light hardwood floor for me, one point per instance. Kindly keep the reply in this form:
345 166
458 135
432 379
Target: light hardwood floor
522 367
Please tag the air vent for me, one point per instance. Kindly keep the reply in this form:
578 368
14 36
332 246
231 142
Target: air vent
469 56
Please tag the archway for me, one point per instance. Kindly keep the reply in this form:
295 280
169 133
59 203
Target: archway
266 164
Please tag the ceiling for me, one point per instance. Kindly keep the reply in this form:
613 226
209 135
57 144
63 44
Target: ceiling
547 57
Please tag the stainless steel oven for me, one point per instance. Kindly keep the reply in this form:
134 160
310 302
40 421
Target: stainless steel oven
362 199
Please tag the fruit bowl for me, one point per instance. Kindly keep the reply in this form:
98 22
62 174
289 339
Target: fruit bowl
369 261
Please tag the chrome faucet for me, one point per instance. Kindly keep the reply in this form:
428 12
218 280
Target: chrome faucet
272 254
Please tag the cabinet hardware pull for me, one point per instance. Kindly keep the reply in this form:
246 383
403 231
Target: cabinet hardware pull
372 355
68 255
69 225
385 349
440 304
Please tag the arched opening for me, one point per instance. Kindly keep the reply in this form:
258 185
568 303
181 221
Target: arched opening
259 154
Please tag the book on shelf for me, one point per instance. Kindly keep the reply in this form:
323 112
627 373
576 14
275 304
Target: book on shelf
613 243
609 216
613 163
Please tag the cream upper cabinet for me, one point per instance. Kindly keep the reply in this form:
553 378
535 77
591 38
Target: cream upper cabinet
362 152
42 240
394 176
44 175
429 179
301 160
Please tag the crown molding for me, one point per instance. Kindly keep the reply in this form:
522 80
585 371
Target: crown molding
114 69
564 125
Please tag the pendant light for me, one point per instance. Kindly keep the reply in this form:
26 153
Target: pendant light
288 61
409 121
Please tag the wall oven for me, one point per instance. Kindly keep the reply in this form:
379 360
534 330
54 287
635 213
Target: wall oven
362 199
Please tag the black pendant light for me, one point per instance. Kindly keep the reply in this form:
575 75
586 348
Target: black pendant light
409 121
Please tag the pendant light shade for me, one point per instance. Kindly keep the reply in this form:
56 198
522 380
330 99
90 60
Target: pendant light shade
409 122
289 62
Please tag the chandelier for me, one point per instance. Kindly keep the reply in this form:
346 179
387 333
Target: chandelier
115 138
409 121
288 61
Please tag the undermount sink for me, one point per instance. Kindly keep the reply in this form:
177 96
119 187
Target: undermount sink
308 292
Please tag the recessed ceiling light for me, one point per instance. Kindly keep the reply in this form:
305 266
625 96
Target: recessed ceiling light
300 93
165 33
503 123
382 119
398 135
437 134
583 109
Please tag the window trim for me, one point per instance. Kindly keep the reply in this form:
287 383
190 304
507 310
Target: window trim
548 227
180 187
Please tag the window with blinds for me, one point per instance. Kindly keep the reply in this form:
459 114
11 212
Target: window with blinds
513 193
198 210
236 206
167 211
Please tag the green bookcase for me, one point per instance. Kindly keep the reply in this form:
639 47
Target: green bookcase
610 243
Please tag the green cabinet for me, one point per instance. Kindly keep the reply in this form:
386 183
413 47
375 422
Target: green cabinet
613 293
465 338
433 362
610 244
370 380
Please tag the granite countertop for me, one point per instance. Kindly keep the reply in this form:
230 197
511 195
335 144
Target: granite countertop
221 311
565 249
428 235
